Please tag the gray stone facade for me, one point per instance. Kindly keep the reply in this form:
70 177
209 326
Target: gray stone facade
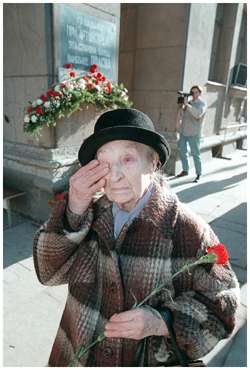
168 47
162 48
40 167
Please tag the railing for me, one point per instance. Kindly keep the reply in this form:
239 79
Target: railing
240 125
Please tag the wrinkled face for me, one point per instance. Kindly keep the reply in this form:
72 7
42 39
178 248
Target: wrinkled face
130 171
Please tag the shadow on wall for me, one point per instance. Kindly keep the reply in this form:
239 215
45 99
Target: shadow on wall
216 105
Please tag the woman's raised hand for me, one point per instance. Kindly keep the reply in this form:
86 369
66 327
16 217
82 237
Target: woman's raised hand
85 183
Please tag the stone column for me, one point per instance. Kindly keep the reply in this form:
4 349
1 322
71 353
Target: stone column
152 54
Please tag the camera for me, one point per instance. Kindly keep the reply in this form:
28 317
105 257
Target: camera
182 96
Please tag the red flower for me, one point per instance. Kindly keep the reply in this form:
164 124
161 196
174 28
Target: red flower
93 68
90 86
43 98
85 78
62 85
60 196
221 253
50 92
56 93
39 110
99 75
29 109
109 86
68 65
72 74
53 93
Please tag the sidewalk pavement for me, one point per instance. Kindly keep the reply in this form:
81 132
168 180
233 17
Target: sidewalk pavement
32 312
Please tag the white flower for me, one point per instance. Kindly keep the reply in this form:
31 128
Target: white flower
98 88
57 104
57 88
69 85
82 84
39 102
125 90
33 118
124 95
34 104
26 118
47 104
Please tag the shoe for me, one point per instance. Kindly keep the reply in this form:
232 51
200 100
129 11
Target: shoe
197 178
183 173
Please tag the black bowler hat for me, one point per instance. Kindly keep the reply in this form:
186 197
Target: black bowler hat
123 124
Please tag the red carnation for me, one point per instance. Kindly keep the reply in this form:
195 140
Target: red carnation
103 78
43 98
221 253
93 68
39 110
72 74
68 65
53 93
90 86
85 78
60 196
29 109
109 86
99 75
62 85
50 92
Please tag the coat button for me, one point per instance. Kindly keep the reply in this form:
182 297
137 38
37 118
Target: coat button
107 351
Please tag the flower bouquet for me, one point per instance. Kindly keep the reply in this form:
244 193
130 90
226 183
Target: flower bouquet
67 97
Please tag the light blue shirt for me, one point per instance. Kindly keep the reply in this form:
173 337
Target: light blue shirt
122 217
193 117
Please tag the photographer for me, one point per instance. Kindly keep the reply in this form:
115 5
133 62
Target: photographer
190 117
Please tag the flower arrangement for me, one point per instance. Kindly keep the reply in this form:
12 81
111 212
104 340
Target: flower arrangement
215 254
66 98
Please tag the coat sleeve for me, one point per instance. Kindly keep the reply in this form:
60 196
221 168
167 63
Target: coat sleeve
207 297
197 112
57 241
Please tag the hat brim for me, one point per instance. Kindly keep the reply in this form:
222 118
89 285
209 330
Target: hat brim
153 139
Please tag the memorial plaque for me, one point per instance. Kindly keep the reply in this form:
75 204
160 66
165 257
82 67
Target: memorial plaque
85 40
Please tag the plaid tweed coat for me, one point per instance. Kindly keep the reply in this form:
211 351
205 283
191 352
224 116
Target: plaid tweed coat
81 251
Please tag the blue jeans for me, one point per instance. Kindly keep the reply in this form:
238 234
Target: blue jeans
194 143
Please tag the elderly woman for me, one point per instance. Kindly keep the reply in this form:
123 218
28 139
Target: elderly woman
116 248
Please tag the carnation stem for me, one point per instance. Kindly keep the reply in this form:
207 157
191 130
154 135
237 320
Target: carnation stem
83 350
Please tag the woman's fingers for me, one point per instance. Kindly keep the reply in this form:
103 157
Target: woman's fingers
91 165
125 316
91 176
116 326
85 183
120 329
95 176
97 187
90 181
120 334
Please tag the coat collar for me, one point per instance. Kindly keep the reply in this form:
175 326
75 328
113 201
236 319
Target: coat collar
155 213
